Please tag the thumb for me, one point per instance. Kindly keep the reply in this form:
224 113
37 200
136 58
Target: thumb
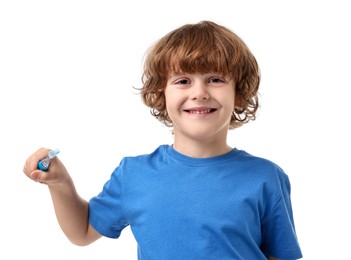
39 176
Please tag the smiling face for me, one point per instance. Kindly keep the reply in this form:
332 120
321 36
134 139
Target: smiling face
201 48
200 107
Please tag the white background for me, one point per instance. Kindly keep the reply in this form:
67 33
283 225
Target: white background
67 72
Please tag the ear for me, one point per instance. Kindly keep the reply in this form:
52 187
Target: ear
238 103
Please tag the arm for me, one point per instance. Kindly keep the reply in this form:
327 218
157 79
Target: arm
71 210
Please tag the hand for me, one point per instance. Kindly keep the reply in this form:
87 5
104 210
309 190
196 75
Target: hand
56 173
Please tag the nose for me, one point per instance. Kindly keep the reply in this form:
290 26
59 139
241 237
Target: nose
199 91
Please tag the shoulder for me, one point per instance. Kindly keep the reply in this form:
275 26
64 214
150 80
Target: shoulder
265 170
158 152
134 168
142 160
260 164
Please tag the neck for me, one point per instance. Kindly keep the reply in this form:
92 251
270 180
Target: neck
201 149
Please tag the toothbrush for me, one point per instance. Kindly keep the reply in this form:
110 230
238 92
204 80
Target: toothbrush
44 163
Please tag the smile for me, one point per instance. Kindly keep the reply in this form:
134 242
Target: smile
204 111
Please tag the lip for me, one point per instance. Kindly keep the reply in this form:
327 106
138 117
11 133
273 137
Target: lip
200 110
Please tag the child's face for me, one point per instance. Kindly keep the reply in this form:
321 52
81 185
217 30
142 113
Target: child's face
200 106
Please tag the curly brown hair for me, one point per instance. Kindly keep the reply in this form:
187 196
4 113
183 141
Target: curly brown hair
204 47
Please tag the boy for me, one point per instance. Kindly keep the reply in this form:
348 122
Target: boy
198 198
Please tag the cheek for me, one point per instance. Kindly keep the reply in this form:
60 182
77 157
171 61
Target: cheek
167 99
229 100
174 99
171 106
170 103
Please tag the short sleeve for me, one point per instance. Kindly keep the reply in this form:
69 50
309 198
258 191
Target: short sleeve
278 231
106 209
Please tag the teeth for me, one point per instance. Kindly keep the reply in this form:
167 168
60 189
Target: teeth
200 111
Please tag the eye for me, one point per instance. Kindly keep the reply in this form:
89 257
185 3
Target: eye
216 80
182 81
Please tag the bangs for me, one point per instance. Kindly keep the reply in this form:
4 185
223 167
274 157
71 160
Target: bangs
197 50
198 54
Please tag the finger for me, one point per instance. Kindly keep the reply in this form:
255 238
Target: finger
31 163
39 176
34 175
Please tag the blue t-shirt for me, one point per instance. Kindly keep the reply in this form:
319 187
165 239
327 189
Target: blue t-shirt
232 206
